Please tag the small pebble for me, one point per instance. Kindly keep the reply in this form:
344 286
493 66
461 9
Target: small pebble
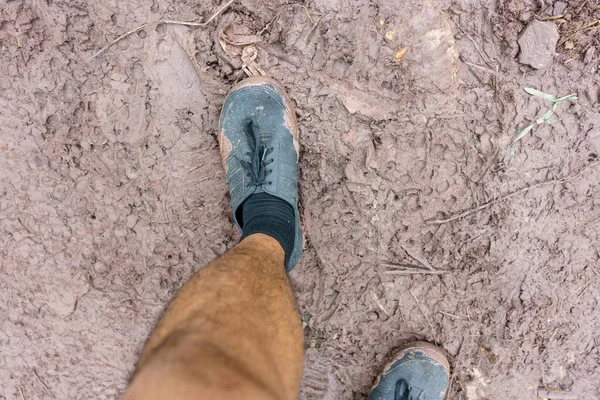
100 268
538 44
372 316
559 8
589 55
131 221
525 16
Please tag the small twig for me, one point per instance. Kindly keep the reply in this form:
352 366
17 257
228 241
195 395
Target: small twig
208 21
312 29
556 395
43 383
22 395
592 221
171 22
583 291
552 18
488 70
481 207
452 315
477 48
378 303
508 196
268 26
422 312
423 262
589 26
219 11
117 40
583 379
413 271
305 10
581 7
249 39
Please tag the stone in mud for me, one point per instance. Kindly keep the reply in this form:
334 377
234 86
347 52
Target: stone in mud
538 44
559 8
589 55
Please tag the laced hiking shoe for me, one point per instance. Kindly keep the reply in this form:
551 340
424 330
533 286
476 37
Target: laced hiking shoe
418 371
258 139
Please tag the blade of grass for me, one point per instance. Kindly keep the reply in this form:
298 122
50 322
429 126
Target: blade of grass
511 150
524 132
547 114
571 97
544 119
541 95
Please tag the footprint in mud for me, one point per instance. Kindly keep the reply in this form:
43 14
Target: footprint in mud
442 186
432 56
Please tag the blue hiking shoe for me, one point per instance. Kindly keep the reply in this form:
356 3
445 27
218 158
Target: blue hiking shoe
258 139
418 371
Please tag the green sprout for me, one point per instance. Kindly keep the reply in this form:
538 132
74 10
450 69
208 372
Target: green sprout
544 119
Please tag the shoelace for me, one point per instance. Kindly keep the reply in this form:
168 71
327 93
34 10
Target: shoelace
403 392
256 168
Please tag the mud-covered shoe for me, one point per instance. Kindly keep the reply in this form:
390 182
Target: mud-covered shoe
418 371
258 139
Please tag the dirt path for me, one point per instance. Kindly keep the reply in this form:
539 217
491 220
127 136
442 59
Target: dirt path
112 193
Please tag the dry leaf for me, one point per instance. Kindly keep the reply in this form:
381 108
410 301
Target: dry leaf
401 53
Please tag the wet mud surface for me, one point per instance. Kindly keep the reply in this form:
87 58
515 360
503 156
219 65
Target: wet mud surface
420 222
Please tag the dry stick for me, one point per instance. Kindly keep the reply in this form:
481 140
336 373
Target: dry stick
552 18
263 30
583 379
171 22
422 312
215 15
508 196
379 303
117 40
488 70
477 48
305 10
556 395
581 7
452 315
43 383
423 262
414 271
312 29
589 26
267 26
592 221
583 291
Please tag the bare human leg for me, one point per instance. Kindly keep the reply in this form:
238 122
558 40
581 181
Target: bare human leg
232 332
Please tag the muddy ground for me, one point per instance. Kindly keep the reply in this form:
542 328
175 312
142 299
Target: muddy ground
112 194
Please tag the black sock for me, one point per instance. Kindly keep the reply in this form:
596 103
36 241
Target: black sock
264 213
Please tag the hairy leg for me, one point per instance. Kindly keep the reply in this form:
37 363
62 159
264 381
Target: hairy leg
232 332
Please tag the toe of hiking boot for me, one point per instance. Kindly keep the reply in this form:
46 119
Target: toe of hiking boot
418 370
